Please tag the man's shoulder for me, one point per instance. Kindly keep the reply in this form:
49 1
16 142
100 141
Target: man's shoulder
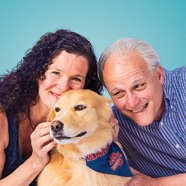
175 78
114 109
181 71
118 115
179 77
175 85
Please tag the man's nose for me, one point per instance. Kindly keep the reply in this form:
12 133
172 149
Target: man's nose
132 100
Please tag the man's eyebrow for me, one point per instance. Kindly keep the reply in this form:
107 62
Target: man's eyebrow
137 80
115 88
133 83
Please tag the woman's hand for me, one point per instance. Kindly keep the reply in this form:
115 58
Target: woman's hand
42 143
114 123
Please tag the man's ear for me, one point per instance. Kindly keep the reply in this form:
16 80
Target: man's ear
160 74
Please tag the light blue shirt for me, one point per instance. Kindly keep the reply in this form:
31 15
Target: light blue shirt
159 149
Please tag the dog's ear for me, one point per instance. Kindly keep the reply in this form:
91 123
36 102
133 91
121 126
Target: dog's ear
105 109
51 115
106 100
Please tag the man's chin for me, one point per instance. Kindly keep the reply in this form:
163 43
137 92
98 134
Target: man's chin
143 122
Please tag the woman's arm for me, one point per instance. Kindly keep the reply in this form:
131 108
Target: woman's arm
4 139
27 172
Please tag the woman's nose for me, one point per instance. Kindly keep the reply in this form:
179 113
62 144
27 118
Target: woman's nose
63 84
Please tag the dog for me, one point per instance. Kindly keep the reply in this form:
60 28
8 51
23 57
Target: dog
80 126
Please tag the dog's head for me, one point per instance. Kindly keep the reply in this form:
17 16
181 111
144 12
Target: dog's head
80 115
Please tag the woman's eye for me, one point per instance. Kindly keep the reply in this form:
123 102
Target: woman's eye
76 79
79 107
56 73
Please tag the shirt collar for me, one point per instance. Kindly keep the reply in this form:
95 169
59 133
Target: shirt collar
168 88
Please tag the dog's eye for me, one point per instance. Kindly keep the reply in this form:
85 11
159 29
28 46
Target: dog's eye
57 109
79 107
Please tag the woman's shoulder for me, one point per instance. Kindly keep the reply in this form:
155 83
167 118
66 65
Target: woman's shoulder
4 134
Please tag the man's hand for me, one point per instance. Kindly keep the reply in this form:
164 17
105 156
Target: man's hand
115 127
140 179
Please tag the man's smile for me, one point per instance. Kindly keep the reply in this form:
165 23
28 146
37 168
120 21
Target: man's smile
139 110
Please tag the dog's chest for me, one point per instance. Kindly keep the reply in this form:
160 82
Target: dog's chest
75 173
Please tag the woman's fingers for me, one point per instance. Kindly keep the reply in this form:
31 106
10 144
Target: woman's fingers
42 143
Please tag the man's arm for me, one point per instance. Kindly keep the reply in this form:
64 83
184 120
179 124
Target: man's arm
140 179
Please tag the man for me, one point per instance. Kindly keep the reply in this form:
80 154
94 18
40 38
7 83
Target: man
150 105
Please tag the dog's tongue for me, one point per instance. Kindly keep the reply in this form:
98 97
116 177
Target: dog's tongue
110 160
57 136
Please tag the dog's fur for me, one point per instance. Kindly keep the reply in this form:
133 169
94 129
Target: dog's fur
67 166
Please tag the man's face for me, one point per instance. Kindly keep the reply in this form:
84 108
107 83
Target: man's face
135 91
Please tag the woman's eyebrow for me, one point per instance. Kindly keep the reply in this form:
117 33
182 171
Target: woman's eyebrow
55 68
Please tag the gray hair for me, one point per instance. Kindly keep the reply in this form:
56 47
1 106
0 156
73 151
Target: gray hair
129 44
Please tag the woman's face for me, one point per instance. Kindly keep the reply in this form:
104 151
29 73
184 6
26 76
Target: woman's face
68 71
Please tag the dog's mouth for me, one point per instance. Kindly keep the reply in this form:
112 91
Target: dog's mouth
61 137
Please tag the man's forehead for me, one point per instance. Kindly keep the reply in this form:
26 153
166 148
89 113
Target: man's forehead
126 83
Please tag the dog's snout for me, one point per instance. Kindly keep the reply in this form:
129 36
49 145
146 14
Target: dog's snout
56 126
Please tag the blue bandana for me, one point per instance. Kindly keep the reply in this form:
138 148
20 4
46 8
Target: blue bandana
110 160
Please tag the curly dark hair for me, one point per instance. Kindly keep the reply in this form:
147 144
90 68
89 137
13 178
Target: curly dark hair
19 89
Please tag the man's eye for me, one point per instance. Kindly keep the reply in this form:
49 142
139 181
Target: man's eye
139 86
57 109
79 107
117 93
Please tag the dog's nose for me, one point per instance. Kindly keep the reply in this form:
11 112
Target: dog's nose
56 126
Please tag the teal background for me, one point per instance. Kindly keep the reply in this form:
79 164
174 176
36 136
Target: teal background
161 23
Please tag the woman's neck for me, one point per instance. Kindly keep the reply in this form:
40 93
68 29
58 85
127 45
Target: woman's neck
38 114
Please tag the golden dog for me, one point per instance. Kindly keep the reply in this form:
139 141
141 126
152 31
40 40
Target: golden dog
80 125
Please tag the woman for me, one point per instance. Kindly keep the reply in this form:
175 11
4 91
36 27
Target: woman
58 62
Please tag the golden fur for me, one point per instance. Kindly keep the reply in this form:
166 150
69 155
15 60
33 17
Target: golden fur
67 166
